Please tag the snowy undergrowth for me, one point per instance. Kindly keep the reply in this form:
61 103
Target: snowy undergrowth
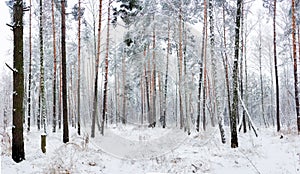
135 149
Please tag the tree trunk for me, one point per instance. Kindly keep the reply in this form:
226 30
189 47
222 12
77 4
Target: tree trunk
153 119
18 153
96 73
124 90
104 110
295 65
233 118
30 71
147 93
201 67
166 81
42 81
64 73
54 71
60 98
261 77
276 71
204 70
241 69
180 70
78 80
225 62
214 100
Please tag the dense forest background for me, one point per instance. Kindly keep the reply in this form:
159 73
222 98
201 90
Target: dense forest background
190 64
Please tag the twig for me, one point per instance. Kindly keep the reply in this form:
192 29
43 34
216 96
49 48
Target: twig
10 68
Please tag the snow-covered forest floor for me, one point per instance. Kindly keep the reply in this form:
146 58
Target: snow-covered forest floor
134 149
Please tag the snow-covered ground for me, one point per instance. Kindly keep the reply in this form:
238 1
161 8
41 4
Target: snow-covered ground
134 149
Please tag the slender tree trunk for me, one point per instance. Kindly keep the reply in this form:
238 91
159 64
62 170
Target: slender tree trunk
60 98
243 41
96 73
187 116
261 77
30 71
215 107
124 90
204 71
116 89
54 71
42 81
142 99
233 118
147 93
78 81
276 70
166 81
201 68
18 153
104 110
180 70
225 62
64 73
272 89
246 79
153 77
295 65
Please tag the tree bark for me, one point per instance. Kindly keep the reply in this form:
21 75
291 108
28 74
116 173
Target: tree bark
54 71
225 62
201 67
78 80
18 153
64 73
30 69
276 70
180 71
153 119
261 77
104 110
96 73
295 65
233 118
42 81
166 81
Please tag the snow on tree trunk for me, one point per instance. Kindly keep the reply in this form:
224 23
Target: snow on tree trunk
104 109
54 70
30 71
233 118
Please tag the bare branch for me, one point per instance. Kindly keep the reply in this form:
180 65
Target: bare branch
10 68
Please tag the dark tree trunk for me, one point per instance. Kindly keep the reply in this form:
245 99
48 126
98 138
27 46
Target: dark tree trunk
233 118
104 110
78 80
30 71
166 81
64 73
18 153
276 70
201 69
54 71
96 73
